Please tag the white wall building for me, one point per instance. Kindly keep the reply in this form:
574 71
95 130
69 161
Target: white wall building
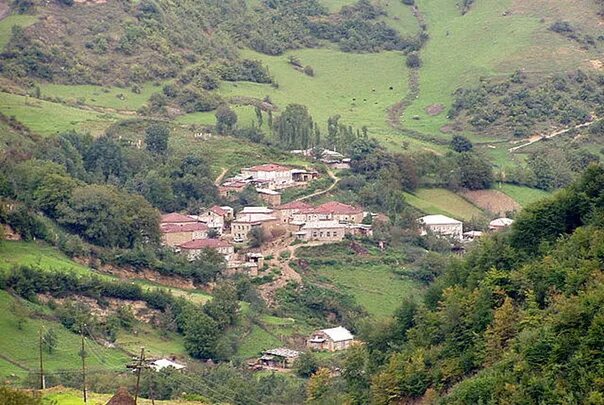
442 225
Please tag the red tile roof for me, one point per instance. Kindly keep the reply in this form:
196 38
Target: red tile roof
335 207
217 210
294 205
175 217
271 167
192 227
205 244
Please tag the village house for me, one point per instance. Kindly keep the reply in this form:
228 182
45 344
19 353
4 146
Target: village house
285 212
271 197
500 224
250 265
328 231
275 176
304 176
441 225
330 211
331 340
246 221
214 217
228 189
177 229
194 248
279 358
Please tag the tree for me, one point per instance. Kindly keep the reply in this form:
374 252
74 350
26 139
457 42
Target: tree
156 138
225 119
201 334
501 330
413 60
319 384
461 144
306 365
257 237
224 305
294 127
49 341
474 172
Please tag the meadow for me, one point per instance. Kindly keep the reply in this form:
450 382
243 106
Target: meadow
108 97
369 279
22 321
48 118
70 396
442 201
522 194
7 24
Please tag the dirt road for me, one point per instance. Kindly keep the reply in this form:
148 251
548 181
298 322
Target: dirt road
537 138
218 180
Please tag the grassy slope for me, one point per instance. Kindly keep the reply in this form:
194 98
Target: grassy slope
441 201
523 195
47 118
485 42
69 396
339 78
9 22
102 96
21 345
461 49
335 5
367 278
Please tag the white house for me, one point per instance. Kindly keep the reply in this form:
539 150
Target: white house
500 223
214 218
160 364
275 176
442 225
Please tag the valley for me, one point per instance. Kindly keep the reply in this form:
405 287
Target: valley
315 201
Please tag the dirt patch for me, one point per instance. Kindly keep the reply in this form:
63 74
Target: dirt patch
597 64
128 273
492 201
4 9
435 109
446 129
139 309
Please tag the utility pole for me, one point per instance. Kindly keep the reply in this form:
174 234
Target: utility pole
83 354
42 382
139 368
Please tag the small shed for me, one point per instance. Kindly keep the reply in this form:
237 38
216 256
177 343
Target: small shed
500 223
279 358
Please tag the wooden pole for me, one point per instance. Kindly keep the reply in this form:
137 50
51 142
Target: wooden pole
139 367
83 354
42 382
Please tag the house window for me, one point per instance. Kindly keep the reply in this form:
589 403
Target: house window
328 234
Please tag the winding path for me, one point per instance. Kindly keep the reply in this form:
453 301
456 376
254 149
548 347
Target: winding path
335 178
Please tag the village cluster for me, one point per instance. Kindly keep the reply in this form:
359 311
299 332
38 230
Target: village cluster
220 228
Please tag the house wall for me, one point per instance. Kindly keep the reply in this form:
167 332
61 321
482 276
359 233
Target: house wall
326 234
354 218
178 238
271 200
453 230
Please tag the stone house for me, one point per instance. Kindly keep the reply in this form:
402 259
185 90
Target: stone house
328 231
177 229
285 212
330 211
241 227
214 217
270 197
441 225
194 248
331 340
230 188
